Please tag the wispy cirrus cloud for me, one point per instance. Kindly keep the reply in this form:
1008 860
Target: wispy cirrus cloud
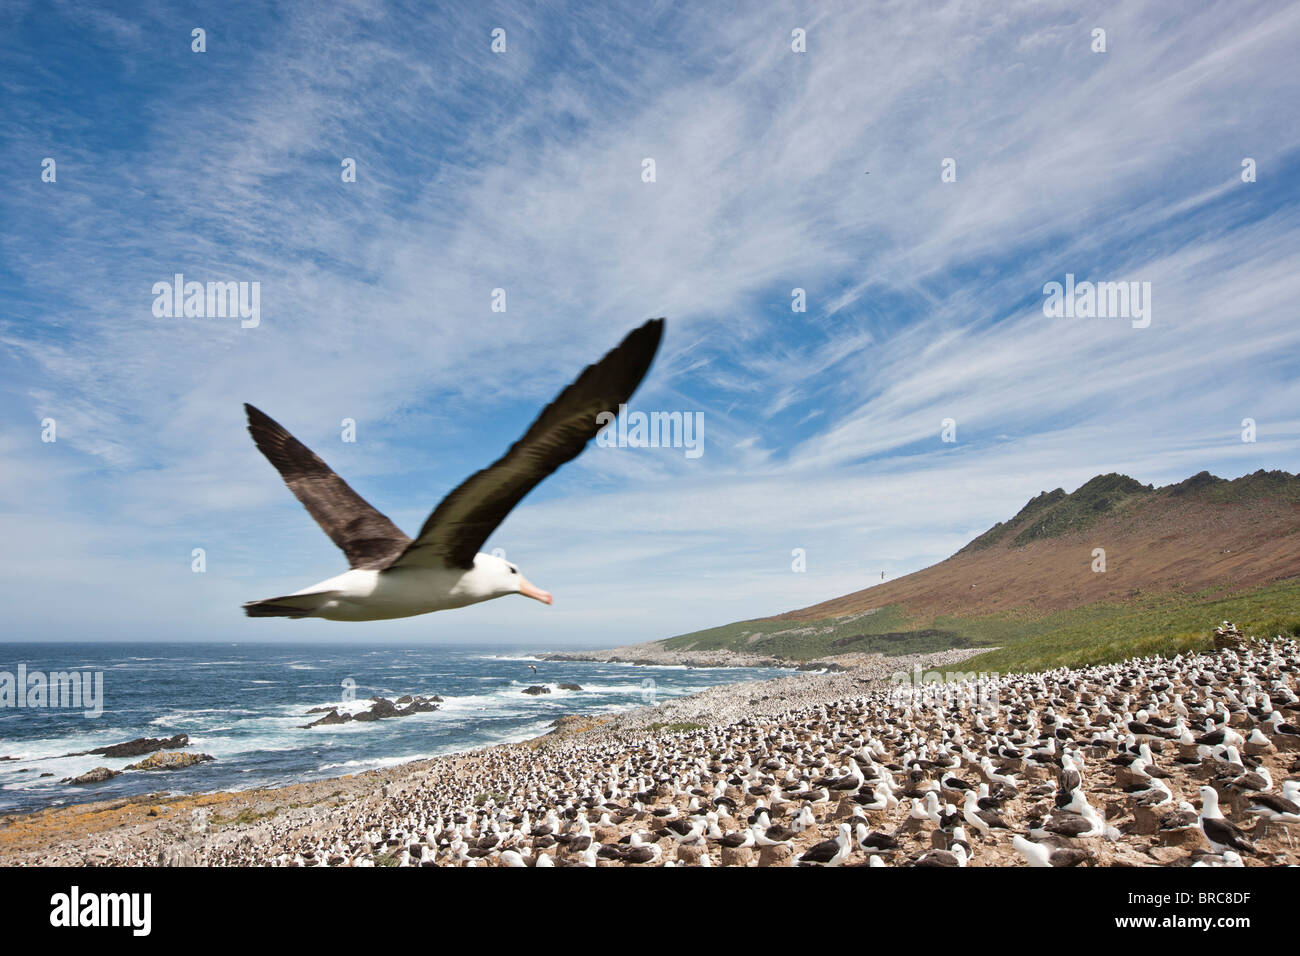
775 171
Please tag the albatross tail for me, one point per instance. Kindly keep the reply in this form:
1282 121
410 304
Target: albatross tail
290 605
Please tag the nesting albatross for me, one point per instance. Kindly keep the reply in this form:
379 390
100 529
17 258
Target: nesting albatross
393 576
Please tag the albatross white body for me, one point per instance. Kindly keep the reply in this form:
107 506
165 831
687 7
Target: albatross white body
368 595
392 575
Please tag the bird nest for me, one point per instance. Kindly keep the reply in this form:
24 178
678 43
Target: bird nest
1229 638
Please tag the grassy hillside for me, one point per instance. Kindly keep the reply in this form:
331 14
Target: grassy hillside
1179 559
886 630
1090 634
1167 625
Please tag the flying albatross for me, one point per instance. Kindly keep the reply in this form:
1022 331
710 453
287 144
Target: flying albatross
392 576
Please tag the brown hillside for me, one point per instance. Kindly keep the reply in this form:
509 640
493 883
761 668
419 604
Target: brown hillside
1202 533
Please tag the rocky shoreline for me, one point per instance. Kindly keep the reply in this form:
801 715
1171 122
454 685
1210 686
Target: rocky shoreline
810 756
144 829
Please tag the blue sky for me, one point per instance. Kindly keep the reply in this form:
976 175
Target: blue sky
522 171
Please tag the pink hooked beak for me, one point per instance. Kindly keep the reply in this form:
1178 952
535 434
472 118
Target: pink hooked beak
537 594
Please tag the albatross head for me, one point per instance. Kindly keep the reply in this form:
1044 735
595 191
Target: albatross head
502 578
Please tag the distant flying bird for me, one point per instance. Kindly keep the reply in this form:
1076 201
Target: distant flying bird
392 576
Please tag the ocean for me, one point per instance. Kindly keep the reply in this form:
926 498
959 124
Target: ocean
245 704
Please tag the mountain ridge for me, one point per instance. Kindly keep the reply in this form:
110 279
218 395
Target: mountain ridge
1056 512
1174 557
1201 532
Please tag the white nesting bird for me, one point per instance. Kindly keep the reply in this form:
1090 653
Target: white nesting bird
1219 832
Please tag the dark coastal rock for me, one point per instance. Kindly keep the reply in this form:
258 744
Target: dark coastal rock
381 708
136 748
98 775
420 705
333 717
8 758
570 687
537 689
176 760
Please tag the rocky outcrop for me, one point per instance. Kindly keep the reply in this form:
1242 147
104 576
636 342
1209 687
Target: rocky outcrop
136 748
332 716
175 760
1227 637
570 687
537 689
98 775
381 708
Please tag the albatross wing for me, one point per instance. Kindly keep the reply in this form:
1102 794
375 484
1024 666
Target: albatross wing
368 538
457 528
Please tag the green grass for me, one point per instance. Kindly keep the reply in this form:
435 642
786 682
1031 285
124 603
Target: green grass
1169 624
801 640
1093 634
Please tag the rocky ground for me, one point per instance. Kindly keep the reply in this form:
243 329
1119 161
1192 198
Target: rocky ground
710 778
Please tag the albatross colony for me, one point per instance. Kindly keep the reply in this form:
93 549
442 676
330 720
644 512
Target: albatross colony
1189 761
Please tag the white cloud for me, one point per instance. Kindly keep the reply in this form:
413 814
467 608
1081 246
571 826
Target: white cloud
523 172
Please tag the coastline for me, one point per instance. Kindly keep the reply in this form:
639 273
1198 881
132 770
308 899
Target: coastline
159 828
652 773
652 654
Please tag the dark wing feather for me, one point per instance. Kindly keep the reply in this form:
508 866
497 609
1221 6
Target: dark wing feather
368 538
457 528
